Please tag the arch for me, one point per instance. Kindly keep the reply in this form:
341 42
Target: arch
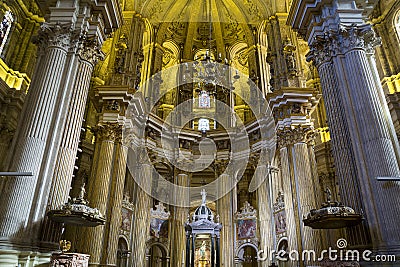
122 252
157 254
247 255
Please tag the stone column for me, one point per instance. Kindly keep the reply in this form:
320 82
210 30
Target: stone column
141 218
99 189
343 57
298 183
115 204
35 128
180 215
265 215
225 211
64 163
342 150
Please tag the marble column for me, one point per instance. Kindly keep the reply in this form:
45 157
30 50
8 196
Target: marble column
225 211
299 194
343 57
34 129
342 150
99 189
141 218
178 235
64 164
115 204
265 215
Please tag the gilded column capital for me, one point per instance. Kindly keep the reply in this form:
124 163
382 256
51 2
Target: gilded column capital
295 135
54 34
109 132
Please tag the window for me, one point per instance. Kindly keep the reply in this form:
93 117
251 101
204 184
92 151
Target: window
204 100
5 28
204 125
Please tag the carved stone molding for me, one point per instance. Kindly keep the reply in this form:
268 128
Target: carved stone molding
69 259
54 34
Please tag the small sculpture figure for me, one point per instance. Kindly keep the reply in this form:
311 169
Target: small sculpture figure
203 250
328 195
82 192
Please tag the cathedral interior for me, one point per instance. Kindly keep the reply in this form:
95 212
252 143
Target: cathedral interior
199 133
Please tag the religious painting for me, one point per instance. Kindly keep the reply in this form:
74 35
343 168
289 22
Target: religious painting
246 228
280 222
126 220
156 226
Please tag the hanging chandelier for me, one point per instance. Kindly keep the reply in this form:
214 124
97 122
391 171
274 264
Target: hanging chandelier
207 71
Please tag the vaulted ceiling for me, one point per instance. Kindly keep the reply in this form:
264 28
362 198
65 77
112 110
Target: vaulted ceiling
227 11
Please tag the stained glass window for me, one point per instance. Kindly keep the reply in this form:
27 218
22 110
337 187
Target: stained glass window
204 125
204 99
5 28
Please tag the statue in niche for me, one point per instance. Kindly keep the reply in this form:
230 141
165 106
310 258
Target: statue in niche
203 250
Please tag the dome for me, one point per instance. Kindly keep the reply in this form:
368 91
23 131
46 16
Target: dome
203 212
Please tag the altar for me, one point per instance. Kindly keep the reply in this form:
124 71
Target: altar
203 237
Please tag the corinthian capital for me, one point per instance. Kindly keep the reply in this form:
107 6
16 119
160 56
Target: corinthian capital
54 34
109 132
358 37
295 135
341 41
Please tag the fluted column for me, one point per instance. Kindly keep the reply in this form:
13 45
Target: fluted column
34 129
178 235
342 151
344 58
64 166
265 215
300 198
141 218
225 211
115 204
99 189
294 240
374 152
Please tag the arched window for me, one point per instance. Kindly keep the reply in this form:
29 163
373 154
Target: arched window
5 28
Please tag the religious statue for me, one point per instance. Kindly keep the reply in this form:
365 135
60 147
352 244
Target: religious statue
202 250
203 196
328 195
82 192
